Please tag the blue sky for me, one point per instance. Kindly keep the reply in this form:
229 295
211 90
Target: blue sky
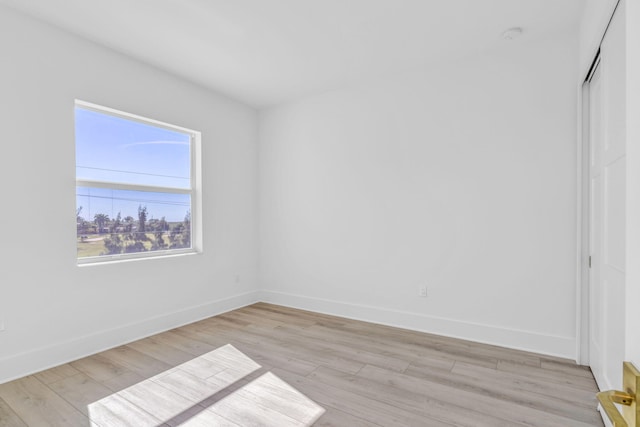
113 149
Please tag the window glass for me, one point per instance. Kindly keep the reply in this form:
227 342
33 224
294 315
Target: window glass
134 190
114 149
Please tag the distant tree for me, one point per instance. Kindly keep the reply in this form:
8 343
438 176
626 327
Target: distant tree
128 223
180 234
100 220
163 225
80 222
158 241
137 246
159 227
114 244
175 236
116 223
187 230
142 218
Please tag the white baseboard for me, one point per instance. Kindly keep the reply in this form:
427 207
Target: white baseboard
19 365
512 338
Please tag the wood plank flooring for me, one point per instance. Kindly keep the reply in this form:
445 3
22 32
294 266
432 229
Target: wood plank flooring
267 365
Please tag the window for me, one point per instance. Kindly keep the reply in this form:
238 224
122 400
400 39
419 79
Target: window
135 186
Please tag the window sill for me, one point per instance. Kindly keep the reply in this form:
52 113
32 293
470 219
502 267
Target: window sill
107 260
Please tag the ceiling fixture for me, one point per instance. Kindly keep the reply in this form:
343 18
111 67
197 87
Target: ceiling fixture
512 33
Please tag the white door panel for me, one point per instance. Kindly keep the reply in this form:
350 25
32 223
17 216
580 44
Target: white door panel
614 232
607 226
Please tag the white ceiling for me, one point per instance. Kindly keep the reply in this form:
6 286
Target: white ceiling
265 52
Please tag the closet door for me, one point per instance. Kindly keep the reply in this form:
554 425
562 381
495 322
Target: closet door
607 228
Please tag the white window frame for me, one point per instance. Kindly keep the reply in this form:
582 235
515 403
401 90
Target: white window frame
194 191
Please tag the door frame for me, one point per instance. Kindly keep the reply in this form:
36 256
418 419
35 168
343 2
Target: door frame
583 212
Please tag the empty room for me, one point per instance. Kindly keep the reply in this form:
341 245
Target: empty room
320 213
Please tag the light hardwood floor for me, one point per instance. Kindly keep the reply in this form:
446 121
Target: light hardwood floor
276 366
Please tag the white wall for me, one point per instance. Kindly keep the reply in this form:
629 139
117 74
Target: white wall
54 310
460 177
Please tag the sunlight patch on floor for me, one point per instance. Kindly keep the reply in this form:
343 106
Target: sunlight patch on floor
194 394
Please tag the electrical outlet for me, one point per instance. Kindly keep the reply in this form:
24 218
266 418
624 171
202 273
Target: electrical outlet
237 278
1 325
422 291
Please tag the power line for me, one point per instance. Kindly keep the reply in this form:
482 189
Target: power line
158 202
132 172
